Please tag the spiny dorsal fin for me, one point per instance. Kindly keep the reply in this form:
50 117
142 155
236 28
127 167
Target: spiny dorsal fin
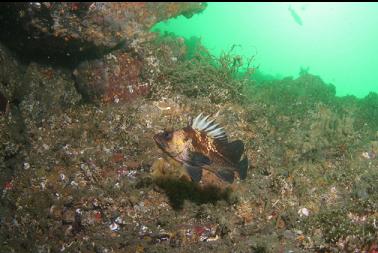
213 130
232 150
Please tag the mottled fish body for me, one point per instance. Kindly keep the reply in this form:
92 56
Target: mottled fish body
204 145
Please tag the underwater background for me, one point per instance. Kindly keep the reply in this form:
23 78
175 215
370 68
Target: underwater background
85 88
336 41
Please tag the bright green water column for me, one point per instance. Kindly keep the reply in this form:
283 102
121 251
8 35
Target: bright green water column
337 41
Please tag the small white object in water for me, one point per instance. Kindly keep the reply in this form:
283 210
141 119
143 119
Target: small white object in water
116 99
114 227
73 183
132 174
111 56
26 166
143 229
369 155
36 4
119 220
95 203
365 155
161 106
211 239
303 212
62 176
131 90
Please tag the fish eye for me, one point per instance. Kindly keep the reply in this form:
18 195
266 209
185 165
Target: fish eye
167 135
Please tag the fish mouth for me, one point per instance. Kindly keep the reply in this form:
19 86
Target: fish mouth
163 146
155 138
158 141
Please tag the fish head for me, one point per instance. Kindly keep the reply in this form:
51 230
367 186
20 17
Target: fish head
172 142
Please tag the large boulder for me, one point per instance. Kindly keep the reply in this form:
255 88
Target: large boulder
47 91
114 77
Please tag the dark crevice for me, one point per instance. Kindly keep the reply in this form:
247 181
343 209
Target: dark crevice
32 45
3 103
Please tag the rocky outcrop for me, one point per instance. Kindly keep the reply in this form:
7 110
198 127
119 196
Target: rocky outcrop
67 33
98 47
113 78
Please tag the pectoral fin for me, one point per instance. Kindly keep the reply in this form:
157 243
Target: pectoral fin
226 175
197 159
193 162
194 172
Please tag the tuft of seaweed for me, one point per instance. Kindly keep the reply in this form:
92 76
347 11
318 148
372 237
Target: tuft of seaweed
200 74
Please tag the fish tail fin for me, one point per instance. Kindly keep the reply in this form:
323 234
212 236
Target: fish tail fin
242 168
232 150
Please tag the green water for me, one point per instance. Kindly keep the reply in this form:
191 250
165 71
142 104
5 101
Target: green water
337 41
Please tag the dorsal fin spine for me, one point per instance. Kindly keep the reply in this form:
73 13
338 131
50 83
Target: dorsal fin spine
217 131
202 123
195 121
208 124
211 127
213 130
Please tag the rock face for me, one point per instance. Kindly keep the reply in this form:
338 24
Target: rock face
102 44
47 91
67 33
113 78
36 90
11 73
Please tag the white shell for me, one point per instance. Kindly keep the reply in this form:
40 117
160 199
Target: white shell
303 212
114 227
202 123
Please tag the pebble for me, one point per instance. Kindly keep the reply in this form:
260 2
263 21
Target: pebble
114 227
303 212
26 166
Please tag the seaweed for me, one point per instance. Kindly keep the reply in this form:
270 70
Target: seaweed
200 74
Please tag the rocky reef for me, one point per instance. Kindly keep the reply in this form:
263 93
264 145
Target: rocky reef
85 86
67 33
